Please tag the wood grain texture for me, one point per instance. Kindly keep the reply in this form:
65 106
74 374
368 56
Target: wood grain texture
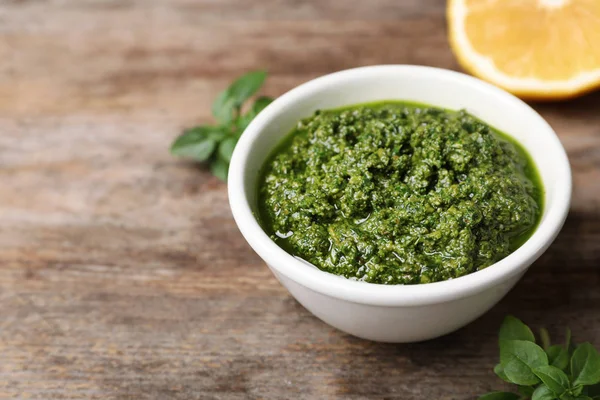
122 274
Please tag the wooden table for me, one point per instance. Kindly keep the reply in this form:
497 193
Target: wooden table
122 273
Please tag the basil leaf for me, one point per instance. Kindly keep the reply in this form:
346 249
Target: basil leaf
498 370
226 148
192 135
200 151
519 358
260 104
197 143
513 329
232 98
545 338
219 168
218 133
585 365
558 356
583 397
554 378
543 392
223 107
500 396
257 107
245 86
526 391
199 133
243 122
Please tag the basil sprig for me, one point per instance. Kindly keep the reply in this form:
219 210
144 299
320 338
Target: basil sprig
547 372
215 143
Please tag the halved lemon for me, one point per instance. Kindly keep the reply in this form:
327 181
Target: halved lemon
536 49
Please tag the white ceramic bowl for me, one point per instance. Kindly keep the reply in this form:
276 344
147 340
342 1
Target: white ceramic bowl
399 313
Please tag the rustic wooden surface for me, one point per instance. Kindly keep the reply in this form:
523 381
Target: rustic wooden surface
122 274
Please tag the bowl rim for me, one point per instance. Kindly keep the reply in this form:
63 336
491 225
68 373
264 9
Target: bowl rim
391 295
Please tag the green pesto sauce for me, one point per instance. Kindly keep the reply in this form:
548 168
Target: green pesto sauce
399 193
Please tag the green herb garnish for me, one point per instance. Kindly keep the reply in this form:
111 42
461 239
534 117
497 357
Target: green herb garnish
561 371
215 143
